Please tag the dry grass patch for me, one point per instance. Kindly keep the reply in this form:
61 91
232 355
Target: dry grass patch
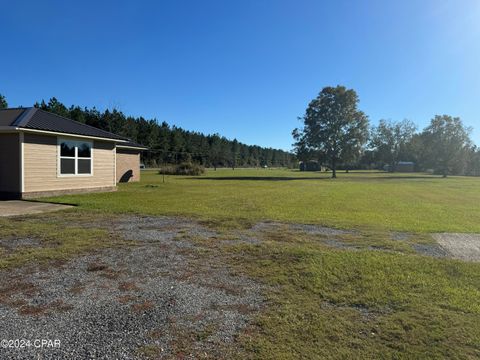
150 351
33 310
77 289
143 306
40 310
96 266
125 299
59 241
15 290
128 286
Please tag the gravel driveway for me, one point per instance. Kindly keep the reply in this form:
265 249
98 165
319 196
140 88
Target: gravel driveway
163 296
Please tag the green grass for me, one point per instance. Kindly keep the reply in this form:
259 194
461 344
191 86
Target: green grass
53 240
403 202
326 303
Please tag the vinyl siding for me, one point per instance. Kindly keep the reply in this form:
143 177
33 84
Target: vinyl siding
41 162
128 165
9 163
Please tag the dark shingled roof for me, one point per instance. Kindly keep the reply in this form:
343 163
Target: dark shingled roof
8 116
37 119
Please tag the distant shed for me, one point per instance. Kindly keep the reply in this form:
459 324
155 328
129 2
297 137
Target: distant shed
310 165
405 166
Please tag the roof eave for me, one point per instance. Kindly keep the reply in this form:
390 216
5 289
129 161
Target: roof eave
48 132
8 129
131 147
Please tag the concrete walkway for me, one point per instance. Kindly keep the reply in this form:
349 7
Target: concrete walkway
17 207
462 246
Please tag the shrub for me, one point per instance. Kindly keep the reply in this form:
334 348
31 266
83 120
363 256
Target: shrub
185 168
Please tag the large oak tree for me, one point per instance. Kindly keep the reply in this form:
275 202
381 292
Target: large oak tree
389 139
446 142
334 126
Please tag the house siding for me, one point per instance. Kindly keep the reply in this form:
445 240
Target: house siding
41 166
9 164
128 165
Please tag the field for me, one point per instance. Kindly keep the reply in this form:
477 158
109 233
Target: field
346 268
402 202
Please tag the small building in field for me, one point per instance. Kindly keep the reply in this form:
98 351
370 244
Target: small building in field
311 165
405 166
402 166
44 154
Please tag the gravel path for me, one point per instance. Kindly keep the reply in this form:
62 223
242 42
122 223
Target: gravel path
461 246
163 295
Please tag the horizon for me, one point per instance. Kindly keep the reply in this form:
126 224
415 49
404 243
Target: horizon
245 70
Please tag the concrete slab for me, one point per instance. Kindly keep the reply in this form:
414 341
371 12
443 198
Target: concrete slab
462 246
18 207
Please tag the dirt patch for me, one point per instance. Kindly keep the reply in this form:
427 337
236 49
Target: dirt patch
158 229
460 246
308 229
241 238
339 244
401 236
434 250
11 244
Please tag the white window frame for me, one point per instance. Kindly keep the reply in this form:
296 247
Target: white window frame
76 158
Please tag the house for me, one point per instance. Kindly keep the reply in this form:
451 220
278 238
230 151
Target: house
44 154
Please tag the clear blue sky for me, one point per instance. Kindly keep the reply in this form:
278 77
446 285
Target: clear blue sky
244 68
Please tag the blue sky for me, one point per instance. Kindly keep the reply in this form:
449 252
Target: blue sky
246 68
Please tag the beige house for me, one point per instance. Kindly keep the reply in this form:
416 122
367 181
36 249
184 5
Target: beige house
43 154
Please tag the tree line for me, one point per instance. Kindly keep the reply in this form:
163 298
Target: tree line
171 144
335 133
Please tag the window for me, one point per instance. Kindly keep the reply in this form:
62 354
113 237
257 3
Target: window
75 157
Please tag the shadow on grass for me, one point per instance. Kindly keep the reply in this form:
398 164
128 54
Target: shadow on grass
262 178
290 178
413 177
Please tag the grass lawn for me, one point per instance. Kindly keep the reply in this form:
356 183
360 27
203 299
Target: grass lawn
405 202
47 240
379 300
328 303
